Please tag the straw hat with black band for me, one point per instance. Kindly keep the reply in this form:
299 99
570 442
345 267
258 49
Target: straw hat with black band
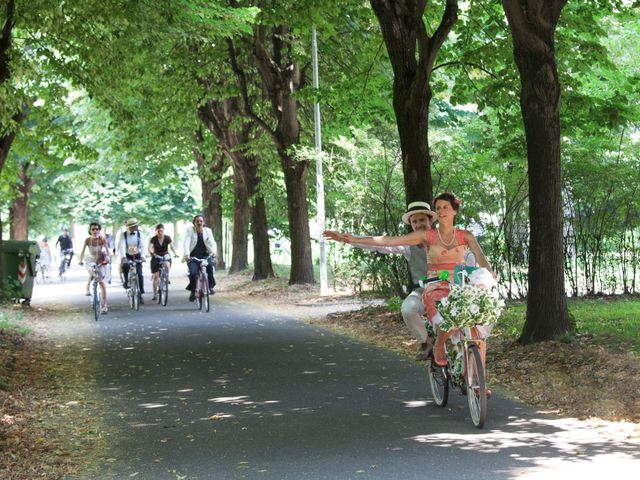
418 207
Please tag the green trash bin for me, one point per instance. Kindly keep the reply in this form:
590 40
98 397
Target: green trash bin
19 267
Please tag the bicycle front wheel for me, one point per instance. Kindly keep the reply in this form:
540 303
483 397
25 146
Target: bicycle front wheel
205 300
439 384
96 301
476 387
164 290
135 294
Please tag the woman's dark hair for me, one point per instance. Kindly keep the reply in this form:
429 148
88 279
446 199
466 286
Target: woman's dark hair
196 217
448 197
159 226
94 224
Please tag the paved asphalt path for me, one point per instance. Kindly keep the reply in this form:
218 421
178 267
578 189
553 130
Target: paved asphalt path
245 393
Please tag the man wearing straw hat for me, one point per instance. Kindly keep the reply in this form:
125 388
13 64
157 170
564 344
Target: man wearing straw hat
420 216
132 245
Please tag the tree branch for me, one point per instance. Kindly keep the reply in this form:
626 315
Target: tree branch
244 91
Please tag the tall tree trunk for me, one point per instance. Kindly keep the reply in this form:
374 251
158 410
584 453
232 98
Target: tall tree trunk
532 28
412 54
240 239
281 79
298 216
210 173
212 211
263 267
19 209
7 132
219 118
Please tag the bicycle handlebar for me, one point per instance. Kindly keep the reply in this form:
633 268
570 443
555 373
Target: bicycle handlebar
200 260
442 276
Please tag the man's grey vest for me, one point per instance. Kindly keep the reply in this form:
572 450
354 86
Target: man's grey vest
417 263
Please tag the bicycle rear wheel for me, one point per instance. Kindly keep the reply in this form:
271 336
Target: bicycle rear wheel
439 384
476 388
97 301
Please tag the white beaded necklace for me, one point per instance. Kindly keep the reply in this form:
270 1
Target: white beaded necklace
453 238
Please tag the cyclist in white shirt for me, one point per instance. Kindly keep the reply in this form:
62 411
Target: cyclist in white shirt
198 243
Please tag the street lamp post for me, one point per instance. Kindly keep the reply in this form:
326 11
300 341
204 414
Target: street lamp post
324 289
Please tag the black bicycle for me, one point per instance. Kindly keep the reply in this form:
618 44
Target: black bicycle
163 279
133 289
65 262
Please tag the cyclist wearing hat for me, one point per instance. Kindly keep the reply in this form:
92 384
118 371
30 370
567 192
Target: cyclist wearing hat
420 217
132 245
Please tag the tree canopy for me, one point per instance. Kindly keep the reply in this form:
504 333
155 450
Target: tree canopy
161 109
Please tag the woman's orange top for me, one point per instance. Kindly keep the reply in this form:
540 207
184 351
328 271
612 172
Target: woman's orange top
440 257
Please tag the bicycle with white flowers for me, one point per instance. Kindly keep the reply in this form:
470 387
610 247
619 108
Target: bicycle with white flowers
464 370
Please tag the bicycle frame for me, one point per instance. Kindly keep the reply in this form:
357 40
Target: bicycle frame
162 278
65 260
202 290
133 291
96 293
464 370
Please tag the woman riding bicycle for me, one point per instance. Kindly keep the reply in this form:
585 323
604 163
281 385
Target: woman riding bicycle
446 247
159 245
99 255
45 257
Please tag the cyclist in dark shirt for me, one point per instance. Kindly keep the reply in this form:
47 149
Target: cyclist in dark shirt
66 247
159 244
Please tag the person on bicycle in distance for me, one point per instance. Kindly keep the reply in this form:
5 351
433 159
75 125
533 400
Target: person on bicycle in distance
132 246
159 244
198 243
45 256
446 247
98 254
108 238
66 245
420 217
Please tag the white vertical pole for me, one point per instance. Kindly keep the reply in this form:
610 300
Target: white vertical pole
324 288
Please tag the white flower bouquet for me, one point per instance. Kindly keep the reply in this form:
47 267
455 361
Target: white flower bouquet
471 304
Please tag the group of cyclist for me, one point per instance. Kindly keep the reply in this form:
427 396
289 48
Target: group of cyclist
133 247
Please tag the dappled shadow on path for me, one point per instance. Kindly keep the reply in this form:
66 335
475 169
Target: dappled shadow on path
542 446
241 392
